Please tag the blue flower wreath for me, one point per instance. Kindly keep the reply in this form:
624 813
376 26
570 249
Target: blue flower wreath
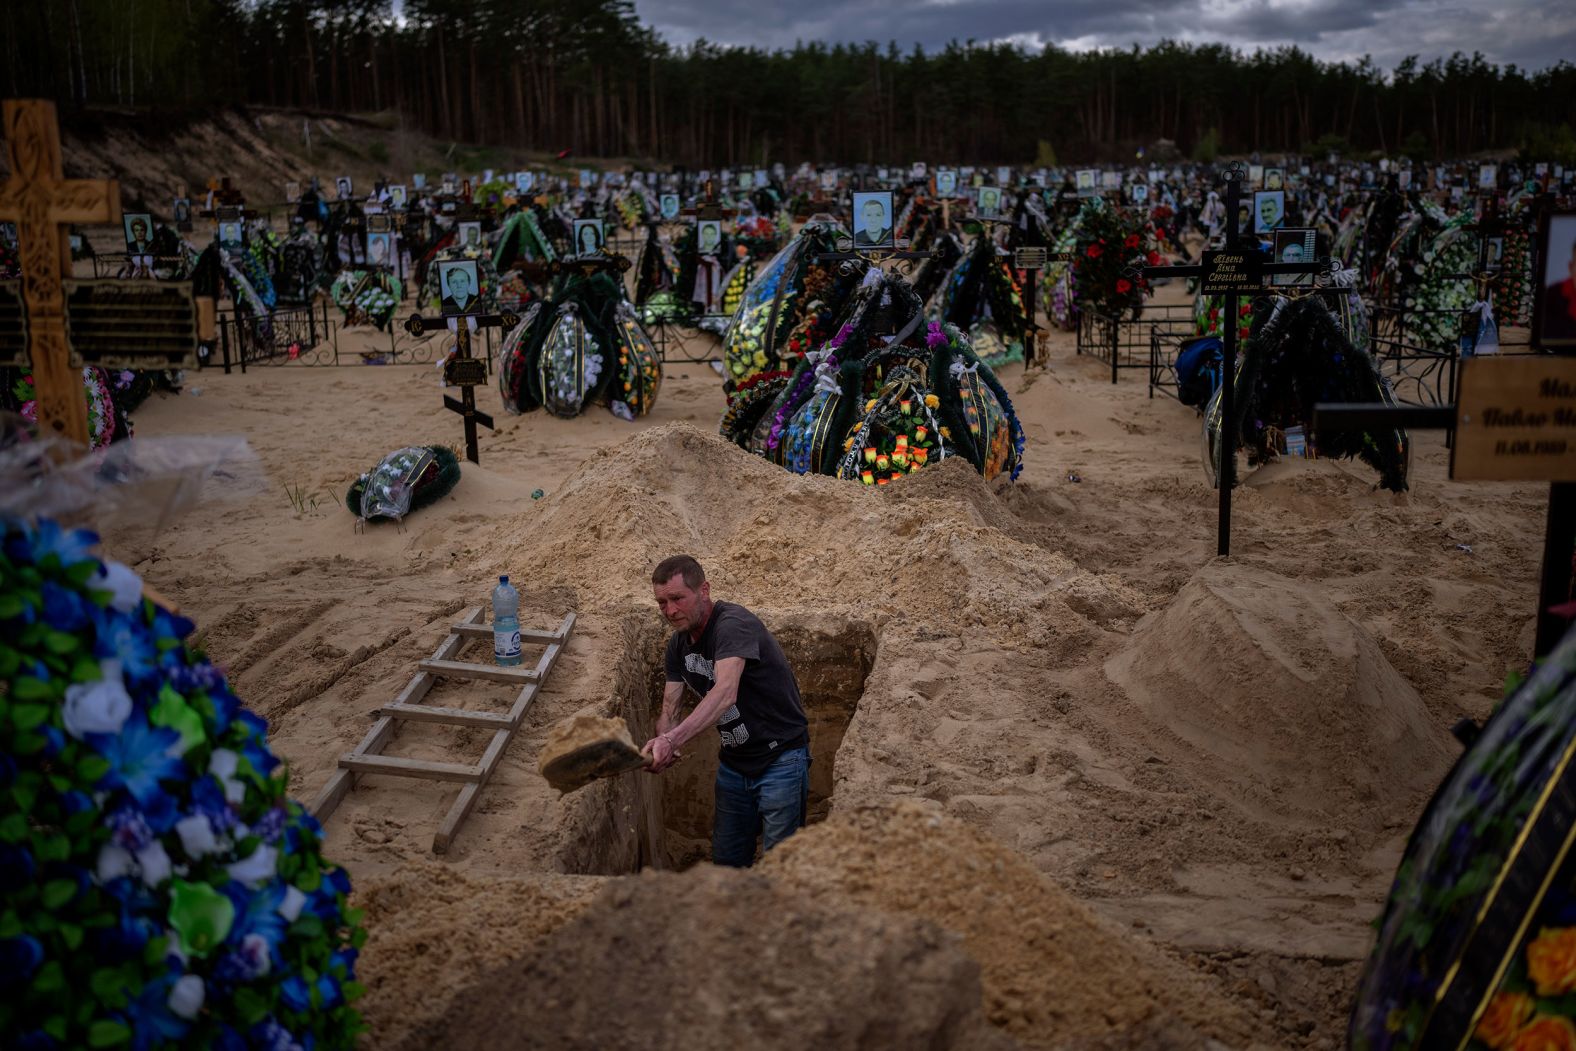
157 888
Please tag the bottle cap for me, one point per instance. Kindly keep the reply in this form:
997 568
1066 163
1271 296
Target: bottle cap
504 579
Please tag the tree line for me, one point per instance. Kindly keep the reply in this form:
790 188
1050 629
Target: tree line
589 77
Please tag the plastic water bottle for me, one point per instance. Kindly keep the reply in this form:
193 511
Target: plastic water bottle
506 623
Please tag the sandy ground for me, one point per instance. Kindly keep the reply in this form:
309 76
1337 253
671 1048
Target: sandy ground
1207 767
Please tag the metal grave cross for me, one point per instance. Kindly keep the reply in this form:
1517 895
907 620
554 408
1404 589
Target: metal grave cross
40 200
1234 270
462 370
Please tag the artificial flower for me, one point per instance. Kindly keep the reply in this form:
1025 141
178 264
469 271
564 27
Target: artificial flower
197 838
1094 251
1546 1033
123 585
186 996
200 915
1123 286
1551 961
931 402
154 863
97 707
139 758
1506 1014
256 867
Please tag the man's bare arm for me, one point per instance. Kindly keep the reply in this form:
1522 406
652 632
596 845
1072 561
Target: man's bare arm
672 696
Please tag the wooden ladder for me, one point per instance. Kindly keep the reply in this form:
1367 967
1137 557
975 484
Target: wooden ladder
367 758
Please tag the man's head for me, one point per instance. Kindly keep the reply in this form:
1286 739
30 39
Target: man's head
139 230
708 236
682 592
1292 253
1269 211
460 283
875 215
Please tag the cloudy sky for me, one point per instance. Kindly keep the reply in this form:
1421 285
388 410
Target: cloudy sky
1530 33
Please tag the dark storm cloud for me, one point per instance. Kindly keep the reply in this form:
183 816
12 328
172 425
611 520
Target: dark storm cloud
1530 33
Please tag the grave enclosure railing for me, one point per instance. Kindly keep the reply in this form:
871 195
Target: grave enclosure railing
1125 342
308 336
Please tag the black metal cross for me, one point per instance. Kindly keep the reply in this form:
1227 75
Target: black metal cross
1236 269
462 370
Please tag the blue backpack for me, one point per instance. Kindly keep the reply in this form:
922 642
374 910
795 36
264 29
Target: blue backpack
1198 370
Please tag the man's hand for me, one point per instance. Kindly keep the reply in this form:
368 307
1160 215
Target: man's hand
661 752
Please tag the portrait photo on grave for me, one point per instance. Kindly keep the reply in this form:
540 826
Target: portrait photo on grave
588 236
523 181
1139 192
418 180
1403 179
292 192
1087 182
708 236
1294 245
139 233
1269 210
398 196
668 205
988 200
828 181
918 171
746 180
873 220
342 187
182 211
1554 316
230 237
1255 175
470 236
1488 176
1493 254
380 249
946 182
1274 178
457 278
1004 176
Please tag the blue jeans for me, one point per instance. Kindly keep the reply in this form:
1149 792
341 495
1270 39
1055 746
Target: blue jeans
774 805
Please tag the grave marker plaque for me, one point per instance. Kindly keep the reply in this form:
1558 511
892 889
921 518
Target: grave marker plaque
113 323
1516 420
1229 270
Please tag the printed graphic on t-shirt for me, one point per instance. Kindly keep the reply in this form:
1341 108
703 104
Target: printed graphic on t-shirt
699 665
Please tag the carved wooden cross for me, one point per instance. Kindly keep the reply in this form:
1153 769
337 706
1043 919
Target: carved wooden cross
40 200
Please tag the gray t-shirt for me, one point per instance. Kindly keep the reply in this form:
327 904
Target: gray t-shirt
768 716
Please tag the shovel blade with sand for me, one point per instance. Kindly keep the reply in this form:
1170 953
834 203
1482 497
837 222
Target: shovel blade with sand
586 748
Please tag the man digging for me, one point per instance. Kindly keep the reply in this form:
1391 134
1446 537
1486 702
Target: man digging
725 654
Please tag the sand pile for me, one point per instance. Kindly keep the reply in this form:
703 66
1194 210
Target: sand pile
808 542
1288 701
718 958
1051 971
432 931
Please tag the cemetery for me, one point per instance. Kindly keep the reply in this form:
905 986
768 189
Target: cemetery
483 552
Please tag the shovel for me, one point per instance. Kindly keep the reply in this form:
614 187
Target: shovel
586 748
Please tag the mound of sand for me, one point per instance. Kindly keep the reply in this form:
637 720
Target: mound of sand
1052 972
1289 701
432 931
724 959
809 542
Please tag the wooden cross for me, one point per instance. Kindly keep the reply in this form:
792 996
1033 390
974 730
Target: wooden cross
40 200
462 370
